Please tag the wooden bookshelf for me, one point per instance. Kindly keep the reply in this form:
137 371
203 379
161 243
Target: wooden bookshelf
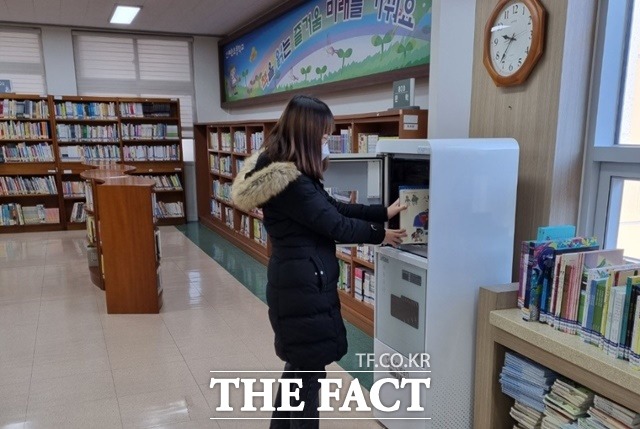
500 328
232 142
95 175
27 153
81 130
128 270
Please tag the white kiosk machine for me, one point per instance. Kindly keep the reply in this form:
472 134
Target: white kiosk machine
426 294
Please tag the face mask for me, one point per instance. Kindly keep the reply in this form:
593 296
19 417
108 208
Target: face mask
325 151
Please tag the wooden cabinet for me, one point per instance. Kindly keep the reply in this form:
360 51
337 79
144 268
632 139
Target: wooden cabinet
500 328
126 242
220 150
55 136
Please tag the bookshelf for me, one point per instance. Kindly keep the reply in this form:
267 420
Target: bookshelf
29 185
120 206
221 147
151 141
95 175
56 136
500 327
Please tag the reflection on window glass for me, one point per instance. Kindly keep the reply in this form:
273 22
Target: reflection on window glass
629 227
630 120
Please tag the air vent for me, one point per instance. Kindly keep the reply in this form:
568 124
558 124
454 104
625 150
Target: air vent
410 277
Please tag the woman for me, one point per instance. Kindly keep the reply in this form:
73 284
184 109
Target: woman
304 223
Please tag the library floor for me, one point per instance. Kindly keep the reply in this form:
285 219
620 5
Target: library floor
66 363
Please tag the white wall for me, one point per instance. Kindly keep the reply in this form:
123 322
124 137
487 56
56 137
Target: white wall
57 49
452 36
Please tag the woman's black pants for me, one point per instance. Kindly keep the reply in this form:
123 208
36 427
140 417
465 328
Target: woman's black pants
307 418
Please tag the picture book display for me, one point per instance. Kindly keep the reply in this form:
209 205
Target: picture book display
415 219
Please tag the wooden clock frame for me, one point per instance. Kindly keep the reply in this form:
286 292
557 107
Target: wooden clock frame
538 17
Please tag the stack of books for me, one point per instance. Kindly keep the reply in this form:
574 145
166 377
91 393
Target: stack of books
607 414
527 382
565 404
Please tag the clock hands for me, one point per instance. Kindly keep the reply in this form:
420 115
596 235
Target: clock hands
511 39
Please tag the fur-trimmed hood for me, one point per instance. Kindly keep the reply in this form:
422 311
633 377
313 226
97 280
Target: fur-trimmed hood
250 192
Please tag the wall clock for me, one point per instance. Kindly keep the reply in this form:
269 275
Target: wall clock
514 40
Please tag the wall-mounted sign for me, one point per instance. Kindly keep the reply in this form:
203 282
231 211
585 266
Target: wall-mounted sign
322 42
5 85
403 93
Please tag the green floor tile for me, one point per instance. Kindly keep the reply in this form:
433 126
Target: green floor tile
253 275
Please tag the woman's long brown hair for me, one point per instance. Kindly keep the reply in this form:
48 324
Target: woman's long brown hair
297 135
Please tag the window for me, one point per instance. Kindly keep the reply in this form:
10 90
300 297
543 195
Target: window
139 66
611 188
21 60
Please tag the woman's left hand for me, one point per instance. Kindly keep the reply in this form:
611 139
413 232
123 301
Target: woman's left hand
395 208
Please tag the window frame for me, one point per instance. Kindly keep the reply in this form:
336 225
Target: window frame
605 160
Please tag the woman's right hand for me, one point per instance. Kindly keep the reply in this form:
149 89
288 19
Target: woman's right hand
393 237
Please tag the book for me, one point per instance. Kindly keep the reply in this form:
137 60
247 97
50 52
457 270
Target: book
415 219
546 233
538 254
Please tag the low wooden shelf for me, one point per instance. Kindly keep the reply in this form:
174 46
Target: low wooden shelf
500 328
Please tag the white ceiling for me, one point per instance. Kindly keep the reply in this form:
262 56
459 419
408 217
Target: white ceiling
204 17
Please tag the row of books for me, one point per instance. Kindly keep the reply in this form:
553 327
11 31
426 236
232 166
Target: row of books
89 110
366 252
149 131
19 185
216 209
29 109
17 214
145 110
222 190
257 139
23 152
152 153
367 142
228 217
78 213
340 143
364 285
16 130
95 152
245 226
88 133
259 232
239 164
91 230
544 399
220 164
73 188
220 141
240 142
166 183
164 210
591 293
344 279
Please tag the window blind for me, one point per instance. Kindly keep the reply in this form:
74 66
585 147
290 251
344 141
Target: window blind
137 66
21 60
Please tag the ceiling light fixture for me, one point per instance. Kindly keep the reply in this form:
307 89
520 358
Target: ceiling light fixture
124 14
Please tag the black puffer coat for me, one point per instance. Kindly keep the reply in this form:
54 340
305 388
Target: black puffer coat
303 223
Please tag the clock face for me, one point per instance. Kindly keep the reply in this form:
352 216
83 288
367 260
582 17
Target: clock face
511 36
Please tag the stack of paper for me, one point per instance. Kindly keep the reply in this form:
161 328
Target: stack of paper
608 414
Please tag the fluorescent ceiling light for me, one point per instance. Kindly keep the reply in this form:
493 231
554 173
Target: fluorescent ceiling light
124 14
